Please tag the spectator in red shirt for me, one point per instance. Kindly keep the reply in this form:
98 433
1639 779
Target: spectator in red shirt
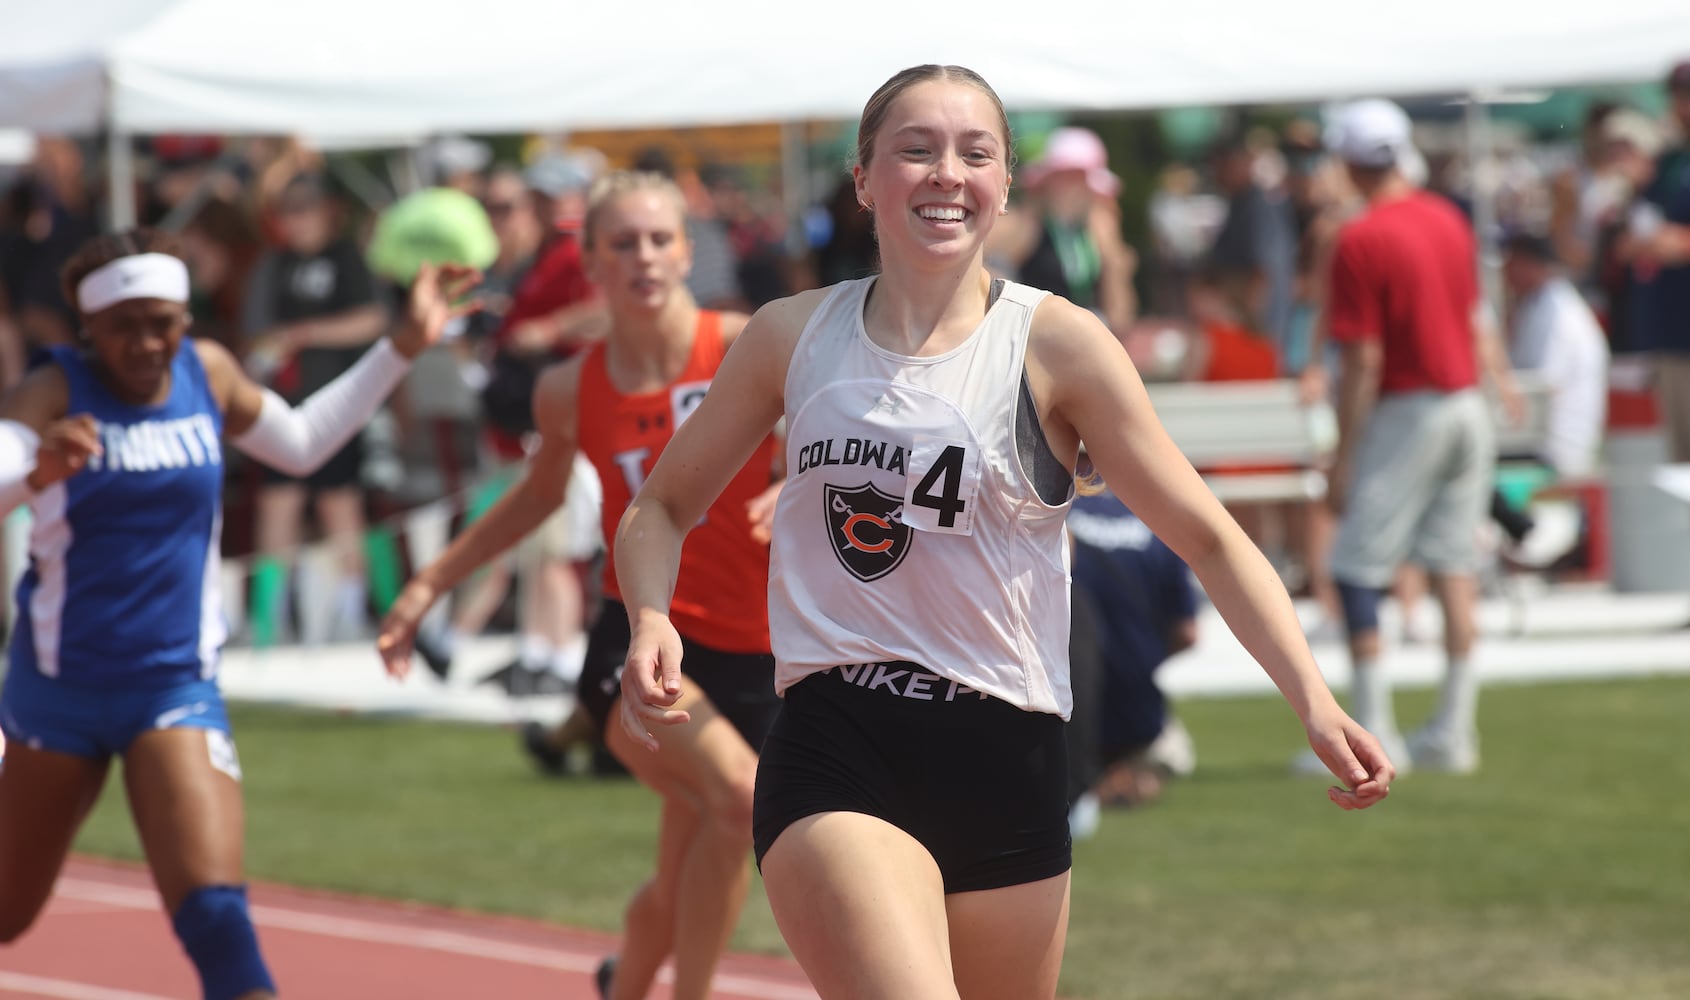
541 312
554 309
1224 348
1416 448
1227 348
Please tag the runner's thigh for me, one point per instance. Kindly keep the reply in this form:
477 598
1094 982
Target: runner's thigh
186 798
862 906
704 759
1006 944
44 797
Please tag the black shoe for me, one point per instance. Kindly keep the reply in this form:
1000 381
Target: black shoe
516 680
503 678
607 972
546 757
550 683
525 681
434 655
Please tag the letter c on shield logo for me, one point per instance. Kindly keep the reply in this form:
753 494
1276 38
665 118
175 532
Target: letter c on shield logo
867 530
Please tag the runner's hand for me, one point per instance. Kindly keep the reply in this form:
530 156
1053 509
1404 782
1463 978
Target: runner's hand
651 680
761 510
66 446
436 298
398 634
1354 757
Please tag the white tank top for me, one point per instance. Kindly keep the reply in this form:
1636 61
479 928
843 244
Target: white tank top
908 528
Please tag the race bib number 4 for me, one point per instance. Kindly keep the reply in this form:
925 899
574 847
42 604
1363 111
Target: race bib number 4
944 476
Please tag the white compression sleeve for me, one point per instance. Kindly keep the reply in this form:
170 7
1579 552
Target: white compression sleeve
297 441
18 445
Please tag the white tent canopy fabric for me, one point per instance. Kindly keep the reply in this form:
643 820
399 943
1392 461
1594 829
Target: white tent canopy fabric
345 68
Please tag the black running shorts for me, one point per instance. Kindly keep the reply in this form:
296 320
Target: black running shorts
977 781
740 685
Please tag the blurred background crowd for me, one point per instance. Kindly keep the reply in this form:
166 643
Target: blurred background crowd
1198 235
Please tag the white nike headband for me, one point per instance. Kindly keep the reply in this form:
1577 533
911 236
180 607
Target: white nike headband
139 276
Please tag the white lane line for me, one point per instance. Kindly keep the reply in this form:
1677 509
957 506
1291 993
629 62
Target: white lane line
354 929
119 896
76 908
64 989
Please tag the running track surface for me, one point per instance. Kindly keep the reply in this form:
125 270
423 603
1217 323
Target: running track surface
104 936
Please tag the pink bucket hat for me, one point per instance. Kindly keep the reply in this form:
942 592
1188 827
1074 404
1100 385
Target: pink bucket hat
1073 148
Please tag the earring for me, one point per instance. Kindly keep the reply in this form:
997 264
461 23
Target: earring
865 206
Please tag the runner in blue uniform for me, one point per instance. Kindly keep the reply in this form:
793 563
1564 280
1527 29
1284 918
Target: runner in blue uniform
116 446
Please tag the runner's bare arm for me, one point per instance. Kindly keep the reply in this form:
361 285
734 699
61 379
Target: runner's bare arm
1095 395
760 508
745 401
522 509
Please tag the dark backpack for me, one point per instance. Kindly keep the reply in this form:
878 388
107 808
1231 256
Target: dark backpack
507 400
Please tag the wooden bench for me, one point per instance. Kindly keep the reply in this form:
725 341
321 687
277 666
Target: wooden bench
1254 442
1257 442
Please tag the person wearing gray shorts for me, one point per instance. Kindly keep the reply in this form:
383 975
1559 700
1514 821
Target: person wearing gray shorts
1416 446
1419 489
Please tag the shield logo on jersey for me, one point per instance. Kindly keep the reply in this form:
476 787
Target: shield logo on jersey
867 529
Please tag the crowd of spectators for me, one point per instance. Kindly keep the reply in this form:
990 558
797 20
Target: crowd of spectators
1227 284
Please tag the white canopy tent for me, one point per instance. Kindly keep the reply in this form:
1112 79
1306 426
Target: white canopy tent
336 68
344 70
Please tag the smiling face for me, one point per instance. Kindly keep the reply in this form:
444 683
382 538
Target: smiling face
935 171
134 342
637 250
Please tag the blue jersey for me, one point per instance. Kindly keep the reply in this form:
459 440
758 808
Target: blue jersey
1139 585
123 582
1140 589
1661 303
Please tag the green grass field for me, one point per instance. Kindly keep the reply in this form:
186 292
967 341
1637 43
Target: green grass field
1563 871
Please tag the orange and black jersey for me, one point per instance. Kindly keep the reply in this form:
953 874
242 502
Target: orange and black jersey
721 594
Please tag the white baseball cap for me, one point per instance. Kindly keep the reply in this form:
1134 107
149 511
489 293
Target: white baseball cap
557 174
1635 129
1371 133
450 155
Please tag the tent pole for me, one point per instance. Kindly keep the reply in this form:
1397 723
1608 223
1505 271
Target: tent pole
794 185
120 176
179 216
404 171
361 181
1480 146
